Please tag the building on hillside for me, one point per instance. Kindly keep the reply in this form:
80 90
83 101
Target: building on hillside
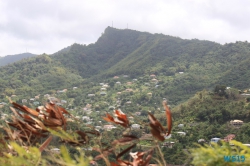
105 86
128 102
167 136
103 93
138 113
103 89
118 83
24 100
201 140
131 119
129 90
98 127
62 91
36 103
86 118
91 95
129 83
135 126
108 127
236 123
74 88
53 100
215 140
181 133
229 137
152 76
149 94
154 80
116 77
63 101
168 144
46 95
111 107
55 150
180 125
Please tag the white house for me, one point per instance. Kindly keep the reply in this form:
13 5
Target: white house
24 100
108 127
236 123
215 140
103 93
168 144
47 96
181 133
167 137
201 141
152 76
86 118
105 86
55 150
135 126
180 125
91 95
63 101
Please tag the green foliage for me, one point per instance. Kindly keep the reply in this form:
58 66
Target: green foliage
32 156
214 155
66 159
24 156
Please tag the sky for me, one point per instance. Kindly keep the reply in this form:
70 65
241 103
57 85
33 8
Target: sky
47 26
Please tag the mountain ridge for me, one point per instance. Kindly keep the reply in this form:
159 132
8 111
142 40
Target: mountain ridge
8 59
137 54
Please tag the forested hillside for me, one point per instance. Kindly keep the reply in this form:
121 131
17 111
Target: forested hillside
184 66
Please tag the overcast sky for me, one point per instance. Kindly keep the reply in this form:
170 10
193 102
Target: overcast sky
47 26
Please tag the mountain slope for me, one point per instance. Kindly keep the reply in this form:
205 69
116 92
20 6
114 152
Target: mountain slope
202 64
14 58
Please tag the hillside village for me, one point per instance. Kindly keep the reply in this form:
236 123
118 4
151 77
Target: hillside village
134 96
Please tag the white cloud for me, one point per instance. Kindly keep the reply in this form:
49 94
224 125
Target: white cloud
48 26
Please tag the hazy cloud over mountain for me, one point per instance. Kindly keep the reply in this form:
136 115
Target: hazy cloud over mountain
48 26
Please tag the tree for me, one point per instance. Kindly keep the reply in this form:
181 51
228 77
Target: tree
220 90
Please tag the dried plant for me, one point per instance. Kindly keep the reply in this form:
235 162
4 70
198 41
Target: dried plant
139 158
28 126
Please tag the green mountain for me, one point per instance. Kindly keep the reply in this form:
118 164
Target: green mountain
182 67
14 58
